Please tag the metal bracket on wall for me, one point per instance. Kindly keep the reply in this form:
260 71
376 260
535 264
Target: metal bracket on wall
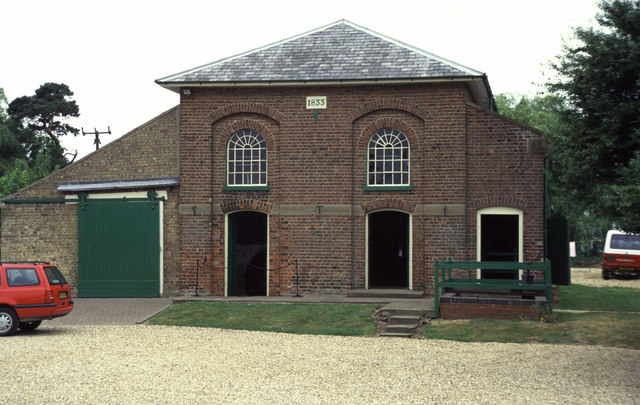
153 199
82 201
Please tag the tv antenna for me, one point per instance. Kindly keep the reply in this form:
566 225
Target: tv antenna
97 134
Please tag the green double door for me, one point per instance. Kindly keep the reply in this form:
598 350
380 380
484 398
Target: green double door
119 249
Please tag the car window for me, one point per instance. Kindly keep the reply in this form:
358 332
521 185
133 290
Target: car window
54 275
22 277
627 242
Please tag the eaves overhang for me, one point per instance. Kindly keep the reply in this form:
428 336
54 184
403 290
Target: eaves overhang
176 86
478 85
107 185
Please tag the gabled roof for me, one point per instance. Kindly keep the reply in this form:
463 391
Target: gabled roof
342 52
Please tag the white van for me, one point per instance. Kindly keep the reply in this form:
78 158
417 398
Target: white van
621 255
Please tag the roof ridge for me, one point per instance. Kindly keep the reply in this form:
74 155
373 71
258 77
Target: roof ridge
260 48
465 69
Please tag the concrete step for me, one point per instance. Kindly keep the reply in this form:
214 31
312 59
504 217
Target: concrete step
409 312
385 293
401 328
394 334
404 318
412 319
422 307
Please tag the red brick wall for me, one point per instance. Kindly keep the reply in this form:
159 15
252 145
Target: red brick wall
505 169
451 310
461 157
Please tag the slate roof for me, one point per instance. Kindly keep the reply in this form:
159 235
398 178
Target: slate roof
342 51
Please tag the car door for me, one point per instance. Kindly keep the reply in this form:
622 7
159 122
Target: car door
26 289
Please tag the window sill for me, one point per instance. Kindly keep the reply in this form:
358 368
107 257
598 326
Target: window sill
246 188
388 188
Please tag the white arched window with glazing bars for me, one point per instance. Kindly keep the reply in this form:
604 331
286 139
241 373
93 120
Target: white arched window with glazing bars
247 159
388 159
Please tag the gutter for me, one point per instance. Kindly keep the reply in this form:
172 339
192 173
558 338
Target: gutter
38 200
72 200
176 86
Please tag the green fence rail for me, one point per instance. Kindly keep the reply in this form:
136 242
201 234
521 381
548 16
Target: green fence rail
443 278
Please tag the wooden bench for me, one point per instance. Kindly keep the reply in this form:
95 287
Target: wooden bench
444 280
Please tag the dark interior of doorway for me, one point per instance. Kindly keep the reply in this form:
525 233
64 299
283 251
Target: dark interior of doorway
388 250
499 243
247 254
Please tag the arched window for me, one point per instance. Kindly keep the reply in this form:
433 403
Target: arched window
247 159
388 158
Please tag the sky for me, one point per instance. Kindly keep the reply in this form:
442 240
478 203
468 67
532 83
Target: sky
110 53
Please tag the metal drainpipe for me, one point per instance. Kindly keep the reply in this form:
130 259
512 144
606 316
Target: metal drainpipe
353 216
546 196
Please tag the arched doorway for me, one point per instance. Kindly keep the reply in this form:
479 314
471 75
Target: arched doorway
247 253
389 254
499 239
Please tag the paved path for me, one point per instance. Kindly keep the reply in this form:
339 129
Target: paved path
111 311
131 311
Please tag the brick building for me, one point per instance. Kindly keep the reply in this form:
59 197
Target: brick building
356 157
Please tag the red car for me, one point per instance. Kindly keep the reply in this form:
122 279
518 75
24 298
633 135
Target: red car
29 293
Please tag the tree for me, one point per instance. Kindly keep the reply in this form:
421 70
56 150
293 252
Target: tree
28 153
40 117
597 150
21 174
545 112
542 112
45 109
11 148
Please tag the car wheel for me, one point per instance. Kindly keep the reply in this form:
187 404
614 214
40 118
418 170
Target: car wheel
29 325
605 274
8 322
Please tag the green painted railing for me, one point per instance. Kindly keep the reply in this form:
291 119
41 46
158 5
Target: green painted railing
443 278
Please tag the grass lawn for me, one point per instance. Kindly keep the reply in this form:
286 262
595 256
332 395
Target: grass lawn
591 328
316 319
608 316
580 297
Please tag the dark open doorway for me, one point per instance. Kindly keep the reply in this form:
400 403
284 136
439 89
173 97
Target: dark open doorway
388 249
499 243
247 254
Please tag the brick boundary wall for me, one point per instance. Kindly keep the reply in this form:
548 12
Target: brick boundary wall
452 307
49 232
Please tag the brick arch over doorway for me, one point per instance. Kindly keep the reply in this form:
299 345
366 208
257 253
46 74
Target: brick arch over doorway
246 205
389 204
500 201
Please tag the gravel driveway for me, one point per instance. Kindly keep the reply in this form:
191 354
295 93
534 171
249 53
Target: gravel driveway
162 365
593 277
